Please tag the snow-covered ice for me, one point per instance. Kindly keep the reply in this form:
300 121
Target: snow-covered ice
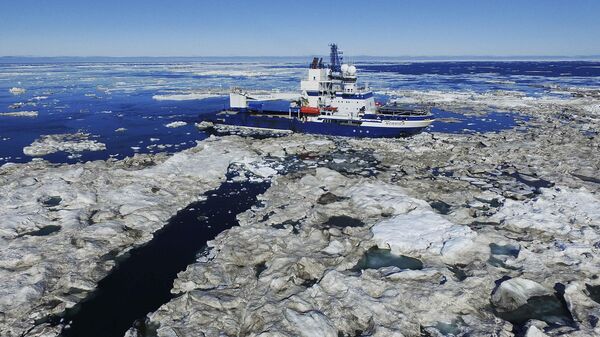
422 232
513 293
183 97
496 220
20 114
17 91
71 143
98 207
176 124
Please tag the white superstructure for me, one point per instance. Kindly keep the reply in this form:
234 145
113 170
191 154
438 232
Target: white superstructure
335 87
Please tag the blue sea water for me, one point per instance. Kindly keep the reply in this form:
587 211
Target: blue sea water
101 96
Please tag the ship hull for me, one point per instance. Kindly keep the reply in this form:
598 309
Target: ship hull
315 127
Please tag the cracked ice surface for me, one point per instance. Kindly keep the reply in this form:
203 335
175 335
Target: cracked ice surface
500 221
515 224
102 209
307 279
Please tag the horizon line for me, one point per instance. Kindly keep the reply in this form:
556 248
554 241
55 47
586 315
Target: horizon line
481 56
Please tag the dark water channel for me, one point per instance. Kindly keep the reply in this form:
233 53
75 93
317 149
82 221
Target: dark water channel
142 281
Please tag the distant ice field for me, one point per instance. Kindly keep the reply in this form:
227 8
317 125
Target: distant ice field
128 105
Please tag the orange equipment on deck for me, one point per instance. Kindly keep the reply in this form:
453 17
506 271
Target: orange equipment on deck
309 110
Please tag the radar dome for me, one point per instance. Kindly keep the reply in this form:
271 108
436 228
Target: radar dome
351 70
344 68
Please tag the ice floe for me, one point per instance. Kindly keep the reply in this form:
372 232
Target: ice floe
101 207
176 124
513 293
555 210
501 230
17 91
68 142
423 232
183 96
20 114
317 288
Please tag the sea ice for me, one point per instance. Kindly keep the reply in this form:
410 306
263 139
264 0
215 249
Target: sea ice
20 114
183 97
297 276
515 215
556 210
101 207
287 257
513 293
71 143
534 332
17 91
311 323
420 233
176 124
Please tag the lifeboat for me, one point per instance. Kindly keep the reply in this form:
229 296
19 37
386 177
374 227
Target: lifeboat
309 110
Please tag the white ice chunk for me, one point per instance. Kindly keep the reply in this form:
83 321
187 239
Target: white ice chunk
311 324
558 210
182 97
176 124
423 232
16 91
515 292
20 114
71 143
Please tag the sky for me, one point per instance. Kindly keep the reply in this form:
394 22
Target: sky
297 28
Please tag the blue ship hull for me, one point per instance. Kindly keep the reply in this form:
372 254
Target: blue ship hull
296 125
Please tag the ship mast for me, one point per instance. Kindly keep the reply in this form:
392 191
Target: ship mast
335 59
